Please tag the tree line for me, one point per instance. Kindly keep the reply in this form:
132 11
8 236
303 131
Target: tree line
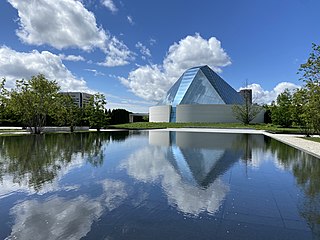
295 108
36 103
301 107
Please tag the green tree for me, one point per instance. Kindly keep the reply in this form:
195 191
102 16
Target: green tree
3 99
119 116
246 112
33 100
281 111
69 113
95 111
300 115
310 74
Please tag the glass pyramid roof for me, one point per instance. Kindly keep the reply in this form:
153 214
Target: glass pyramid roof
201 85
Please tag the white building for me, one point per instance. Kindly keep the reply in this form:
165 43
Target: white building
200 95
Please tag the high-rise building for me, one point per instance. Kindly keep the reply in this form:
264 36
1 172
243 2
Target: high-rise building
79 98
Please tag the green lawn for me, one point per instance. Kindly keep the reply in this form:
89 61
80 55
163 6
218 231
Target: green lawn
149 125
314 139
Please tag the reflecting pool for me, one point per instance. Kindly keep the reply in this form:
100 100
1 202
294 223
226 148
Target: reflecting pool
157 185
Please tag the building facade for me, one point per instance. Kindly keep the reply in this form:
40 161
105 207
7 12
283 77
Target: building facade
200 95
79 98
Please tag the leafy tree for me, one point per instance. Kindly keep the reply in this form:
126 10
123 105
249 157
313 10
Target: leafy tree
2 98
281 112
69 113
33 100
310 74
246 112
300 111
119 116
95 111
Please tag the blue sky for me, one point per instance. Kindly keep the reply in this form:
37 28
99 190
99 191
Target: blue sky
133 51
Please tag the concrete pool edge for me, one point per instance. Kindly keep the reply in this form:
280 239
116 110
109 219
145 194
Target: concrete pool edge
292 140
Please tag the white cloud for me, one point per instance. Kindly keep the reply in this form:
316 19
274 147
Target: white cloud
132 105
130 20
148 82
72 58
17 65
110 5
152 81
95 72
118 54
61 24
261 96
143 50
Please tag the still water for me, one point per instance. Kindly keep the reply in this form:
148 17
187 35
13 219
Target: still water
156 185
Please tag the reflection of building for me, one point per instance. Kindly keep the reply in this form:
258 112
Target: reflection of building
199 95
199 158
79 98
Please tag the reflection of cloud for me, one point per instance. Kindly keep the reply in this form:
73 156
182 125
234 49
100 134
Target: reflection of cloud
150 164
114 192
55 218
9 185
60 218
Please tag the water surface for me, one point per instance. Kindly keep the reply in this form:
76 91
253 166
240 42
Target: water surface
156 185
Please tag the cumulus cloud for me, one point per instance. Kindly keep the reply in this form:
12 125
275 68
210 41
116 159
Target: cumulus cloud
110 5
118 54
61 24
72 58
17 65
148 82
143 50
152 81
261 96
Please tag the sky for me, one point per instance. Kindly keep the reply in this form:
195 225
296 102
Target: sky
133 51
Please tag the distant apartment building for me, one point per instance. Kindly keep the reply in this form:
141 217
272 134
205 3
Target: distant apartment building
79 98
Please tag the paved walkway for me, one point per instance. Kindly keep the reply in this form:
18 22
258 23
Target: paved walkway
296 141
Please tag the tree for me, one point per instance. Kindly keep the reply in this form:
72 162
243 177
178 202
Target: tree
300 111
69 113
2 99
281 111
310 74
119 116
95 111
33 100
246 112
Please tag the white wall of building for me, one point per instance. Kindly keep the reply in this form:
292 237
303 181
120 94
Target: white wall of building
159 113
218 113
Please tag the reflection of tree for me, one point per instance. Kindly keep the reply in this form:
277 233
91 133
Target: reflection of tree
285 154
306 170
38 159
246 143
